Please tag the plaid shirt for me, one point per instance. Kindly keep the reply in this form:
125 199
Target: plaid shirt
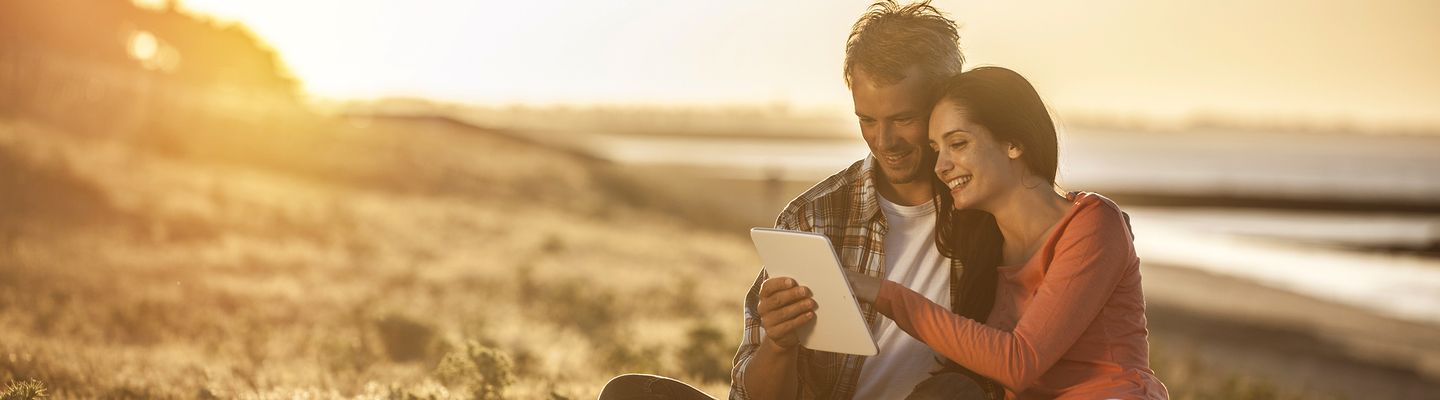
845 208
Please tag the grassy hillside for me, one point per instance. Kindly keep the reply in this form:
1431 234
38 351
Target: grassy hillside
129 273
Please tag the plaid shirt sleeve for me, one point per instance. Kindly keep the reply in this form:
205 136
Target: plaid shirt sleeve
750 342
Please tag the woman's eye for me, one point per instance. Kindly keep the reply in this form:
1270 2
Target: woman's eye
957 145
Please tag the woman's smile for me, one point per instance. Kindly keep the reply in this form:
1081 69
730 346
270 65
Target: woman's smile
957 184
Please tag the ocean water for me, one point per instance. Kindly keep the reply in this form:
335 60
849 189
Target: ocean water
1325 256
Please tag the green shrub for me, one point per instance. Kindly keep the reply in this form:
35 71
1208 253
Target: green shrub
589 309
483 371
706 354
620 357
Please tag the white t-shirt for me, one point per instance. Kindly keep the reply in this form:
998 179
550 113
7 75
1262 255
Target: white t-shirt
912 260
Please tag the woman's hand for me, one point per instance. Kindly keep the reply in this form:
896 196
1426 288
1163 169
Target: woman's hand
865 287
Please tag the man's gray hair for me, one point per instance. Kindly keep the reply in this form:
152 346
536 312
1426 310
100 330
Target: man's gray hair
890 38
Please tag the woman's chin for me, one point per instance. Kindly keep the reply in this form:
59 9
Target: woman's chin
963 202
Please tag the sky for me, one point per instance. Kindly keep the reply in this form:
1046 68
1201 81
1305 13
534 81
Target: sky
1361 61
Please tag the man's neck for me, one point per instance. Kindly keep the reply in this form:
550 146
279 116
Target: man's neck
906 194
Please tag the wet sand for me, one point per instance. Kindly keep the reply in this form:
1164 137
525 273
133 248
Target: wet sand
1293 340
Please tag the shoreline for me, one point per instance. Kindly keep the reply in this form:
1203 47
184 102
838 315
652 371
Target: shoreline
1287 337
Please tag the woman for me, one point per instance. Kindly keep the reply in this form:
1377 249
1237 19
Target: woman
1069 318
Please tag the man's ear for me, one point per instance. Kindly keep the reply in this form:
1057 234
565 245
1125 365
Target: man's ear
1014 151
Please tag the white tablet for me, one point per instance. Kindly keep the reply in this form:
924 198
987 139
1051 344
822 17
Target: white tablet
811 261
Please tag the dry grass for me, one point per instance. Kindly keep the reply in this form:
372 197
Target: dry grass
391 260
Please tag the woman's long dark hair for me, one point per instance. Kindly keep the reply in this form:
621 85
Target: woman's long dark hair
1007 105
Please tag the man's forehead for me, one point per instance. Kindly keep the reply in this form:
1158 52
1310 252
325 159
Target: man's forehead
877 99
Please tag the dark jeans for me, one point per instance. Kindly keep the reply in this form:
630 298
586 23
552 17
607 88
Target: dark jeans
649 387
949 385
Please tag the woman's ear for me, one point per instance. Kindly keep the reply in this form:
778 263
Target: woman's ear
1014 151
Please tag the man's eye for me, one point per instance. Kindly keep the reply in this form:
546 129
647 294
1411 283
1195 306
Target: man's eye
904 121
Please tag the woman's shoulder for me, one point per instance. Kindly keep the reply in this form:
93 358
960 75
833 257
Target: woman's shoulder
1096 214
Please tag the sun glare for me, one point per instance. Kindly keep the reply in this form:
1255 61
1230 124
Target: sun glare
143 46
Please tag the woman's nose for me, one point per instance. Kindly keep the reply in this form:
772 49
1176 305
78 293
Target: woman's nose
942 164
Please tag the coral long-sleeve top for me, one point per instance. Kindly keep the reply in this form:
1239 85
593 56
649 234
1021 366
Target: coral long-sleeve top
1068 323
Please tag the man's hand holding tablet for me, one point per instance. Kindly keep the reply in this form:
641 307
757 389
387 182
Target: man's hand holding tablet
785 306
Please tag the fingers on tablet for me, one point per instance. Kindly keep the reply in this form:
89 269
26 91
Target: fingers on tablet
787 328
775 284
798 309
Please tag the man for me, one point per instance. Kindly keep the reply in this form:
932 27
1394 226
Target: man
880 215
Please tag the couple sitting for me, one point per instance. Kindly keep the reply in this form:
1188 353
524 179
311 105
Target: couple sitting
992 282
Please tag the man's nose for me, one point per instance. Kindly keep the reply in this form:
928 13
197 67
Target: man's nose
888 137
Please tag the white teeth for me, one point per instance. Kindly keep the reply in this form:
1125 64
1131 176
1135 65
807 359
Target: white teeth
954 183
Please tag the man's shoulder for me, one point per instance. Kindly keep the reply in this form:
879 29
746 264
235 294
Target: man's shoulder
832 192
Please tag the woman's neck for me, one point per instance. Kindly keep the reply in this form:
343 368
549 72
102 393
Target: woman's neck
1025 218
